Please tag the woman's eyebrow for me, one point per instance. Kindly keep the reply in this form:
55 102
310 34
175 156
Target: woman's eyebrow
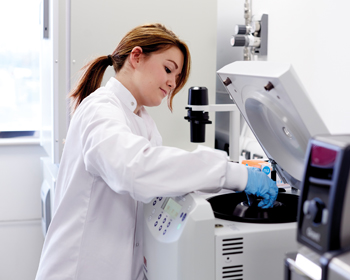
173 62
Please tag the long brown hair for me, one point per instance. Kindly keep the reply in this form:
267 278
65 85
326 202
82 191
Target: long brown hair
151 38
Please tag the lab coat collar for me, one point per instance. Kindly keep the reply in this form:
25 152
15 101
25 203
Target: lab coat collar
123 94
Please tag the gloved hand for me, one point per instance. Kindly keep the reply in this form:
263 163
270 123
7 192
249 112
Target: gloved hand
262 186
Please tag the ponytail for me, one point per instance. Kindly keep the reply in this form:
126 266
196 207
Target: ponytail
151 38
90 80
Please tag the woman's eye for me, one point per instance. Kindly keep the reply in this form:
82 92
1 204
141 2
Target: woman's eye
167 70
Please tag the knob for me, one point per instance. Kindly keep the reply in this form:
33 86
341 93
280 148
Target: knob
241 30
238 41
245 41
314 209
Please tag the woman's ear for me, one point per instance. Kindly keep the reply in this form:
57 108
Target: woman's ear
135 56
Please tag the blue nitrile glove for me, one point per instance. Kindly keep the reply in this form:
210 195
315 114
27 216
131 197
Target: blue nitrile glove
262 186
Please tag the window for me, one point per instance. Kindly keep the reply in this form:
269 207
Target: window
19 67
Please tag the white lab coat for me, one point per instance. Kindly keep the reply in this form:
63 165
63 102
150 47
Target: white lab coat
112 162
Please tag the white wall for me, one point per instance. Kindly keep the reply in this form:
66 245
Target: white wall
98 27
312 35
21 236
230 13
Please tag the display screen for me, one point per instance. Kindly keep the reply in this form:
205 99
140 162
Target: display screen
323 157
172 208
322 162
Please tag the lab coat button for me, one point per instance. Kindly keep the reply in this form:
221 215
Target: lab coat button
150 218
154 210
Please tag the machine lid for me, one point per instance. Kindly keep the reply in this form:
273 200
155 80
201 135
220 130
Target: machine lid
278 110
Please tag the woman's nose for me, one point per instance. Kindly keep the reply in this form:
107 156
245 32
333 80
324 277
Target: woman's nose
172 82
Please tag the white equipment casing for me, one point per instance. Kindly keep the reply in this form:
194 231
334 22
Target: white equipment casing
339 268
252 251
181 247
204 247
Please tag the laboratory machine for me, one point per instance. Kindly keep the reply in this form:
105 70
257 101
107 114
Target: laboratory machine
323 229
220 236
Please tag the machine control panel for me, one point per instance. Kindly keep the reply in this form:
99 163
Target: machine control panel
323 213
166 216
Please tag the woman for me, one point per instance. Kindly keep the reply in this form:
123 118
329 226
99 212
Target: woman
113 161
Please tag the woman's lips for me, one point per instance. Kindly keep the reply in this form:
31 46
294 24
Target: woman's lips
164 92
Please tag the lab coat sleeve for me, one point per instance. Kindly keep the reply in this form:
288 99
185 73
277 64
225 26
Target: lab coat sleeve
129 164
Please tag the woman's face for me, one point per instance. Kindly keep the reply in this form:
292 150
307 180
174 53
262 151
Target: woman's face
156 76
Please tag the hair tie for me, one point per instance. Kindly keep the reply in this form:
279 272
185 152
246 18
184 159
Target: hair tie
110 60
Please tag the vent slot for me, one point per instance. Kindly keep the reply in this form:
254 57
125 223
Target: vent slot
232 246
234 272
